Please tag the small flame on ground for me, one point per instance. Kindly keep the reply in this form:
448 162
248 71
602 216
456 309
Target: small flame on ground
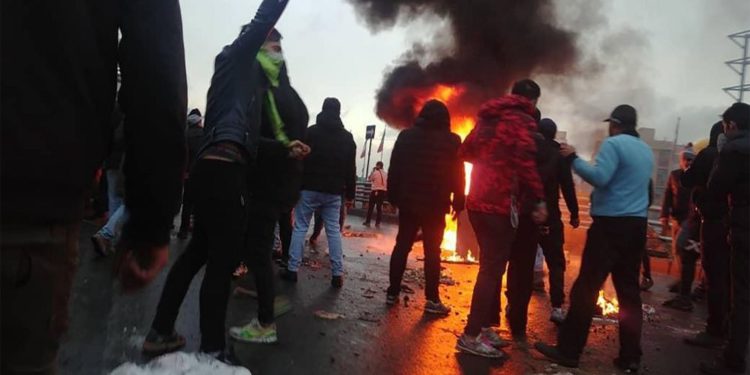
608 307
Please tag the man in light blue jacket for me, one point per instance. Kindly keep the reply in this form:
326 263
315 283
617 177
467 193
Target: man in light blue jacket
615 242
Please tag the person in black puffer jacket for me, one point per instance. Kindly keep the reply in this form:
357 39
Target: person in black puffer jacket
330 171
425 173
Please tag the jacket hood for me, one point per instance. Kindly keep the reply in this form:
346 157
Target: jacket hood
434 115
329 120
716 130
495 108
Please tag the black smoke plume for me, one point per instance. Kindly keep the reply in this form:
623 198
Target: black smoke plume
494 42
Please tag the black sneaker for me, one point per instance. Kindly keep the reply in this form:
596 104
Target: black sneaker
679 303
554 355
705 340
337 282
287 275
675 287
646 284
157 344
391 299
628 367
366 223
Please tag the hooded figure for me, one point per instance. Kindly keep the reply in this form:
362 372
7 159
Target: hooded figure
425 172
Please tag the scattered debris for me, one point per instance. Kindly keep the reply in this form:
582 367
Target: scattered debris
356 234
311 263
406 301
407 289
366 316
327 315
369 293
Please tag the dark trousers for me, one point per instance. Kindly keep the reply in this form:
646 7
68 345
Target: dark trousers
689 230
716 265
495 236
521 275
433 225
261 224
614 245
552 245
739 321
38 266
646 261
187 207
318 225
376 202
285 233
218 239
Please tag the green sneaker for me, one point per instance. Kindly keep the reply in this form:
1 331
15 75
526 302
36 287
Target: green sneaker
255 333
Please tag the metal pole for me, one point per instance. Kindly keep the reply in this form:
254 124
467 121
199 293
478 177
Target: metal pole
369 152
364 176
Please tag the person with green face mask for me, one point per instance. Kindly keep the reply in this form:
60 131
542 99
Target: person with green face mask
274 181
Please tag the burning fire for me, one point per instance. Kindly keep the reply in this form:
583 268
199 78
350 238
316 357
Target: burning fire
608 307
461 125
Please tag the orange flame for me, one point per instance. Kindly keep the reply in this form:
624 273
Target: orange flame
609 307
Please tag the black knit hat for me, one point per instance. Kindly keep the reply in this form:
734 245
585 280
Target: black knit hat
548 128
624 115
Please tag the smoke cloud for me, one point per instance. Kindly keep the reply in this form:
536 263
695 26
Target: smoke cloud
491 43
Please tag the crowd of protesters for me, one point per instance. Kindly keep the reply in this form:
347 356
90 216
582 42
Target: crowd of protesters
252 168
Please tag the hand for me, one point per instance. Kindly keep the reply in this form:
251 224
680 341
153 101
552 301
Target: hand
567 150
455 214
575 222
539 215
298 150
136 270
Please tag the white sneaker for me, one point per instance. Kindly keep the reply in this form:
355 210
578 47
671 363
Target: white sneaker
558 315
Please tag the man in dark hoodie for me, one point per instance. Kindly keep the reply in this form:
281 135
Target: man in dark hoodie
59 82
714 246
731 180
552 239
330 171
194 137
219 181
273 182
425 173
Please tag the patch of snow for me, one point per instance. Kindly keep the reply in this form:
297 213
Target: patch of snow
181 364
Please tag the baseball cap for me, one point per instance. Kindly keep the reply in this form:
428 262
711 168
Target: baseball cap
624 115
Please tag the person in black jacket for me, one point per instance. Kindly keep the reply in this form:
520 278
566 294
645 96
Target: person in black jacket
274 181
714 246
219 186
329 172
425 173
194 142
730 180
59 86
552 239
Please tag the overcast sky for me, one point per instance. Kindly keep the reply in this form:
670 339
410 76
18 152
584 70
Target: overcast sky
666 57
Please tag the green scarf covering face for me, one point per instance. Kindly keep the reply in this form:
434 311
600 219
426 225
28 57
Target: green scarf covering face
271 66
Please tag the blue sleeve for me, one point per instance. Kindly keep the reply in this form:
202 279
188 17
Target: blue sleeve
600 173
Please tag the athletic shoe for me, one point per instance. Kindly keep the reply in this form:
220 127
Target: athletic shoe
255 333
554 355
391 299
558 315
157 344
437 308
287 275
479 345
337 282
494 338
646 283
628 367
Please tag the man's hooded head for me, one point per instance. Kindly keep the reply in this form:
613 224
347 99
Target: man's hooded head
548 128
434 114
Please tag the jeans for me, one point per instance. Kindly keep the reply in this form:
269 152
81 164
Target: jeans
552 245
330 209
739 321
376 202
318 226
520 275
495 235
433 225
688 232
217 242
114 194
38 267
716 264
111 230
613 245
